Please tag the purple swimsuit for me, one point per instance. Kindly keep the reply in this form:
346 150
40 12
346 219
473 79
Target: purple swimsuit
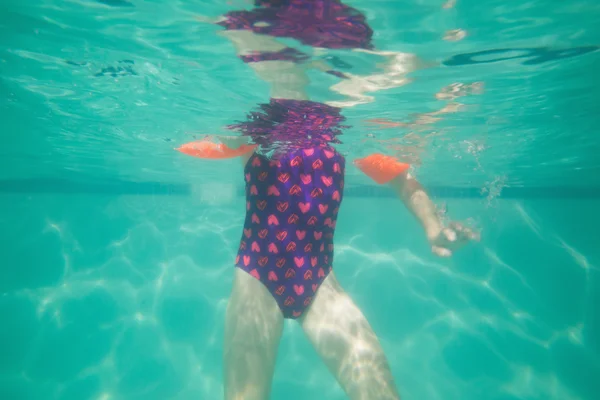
292 199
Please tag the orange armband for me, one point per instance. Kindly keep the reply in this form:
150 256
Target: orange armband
211 150
381 168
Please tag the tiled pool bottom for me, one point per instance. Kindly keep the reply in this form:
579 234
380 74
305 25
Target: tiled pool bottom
109 297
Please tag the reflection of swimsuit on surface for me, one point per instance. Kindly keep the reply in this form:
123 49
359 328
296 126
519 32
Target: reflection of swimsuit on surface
317 23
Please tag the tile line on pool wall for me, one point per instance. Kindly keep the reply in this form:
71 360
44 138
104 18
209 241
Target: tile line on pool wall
120 187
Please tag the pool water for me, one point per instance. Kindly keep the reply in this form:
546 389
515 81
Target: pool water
118 250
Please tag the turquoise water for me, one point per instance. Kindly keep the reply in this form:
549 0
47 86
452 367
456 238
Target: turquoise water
117 250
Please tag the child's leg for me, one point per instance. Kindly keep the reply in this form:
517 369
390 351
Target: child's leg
253 327
343 337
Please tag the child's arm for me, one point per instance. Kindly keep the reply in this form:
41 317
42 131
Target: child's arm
444 240
225 147
415 198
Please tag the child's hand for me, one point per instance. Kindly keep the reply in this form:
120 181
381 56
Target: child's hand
451 239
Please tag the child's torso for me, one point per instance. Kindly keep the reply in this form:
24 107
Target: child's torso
292 202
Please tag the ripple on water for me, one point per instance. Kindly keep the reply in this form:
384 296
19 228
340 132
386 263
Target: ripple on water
77 335
17 331
85 388
32 260
516 345
22 388
116 3
185 319
472 358
577 367
143 365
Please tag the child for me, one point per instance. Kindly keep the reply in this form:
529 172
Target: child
294 188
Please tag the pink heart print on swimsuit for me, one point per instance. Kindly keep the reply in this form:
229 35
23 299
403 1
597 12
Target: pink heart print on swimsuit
292 204
292 198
